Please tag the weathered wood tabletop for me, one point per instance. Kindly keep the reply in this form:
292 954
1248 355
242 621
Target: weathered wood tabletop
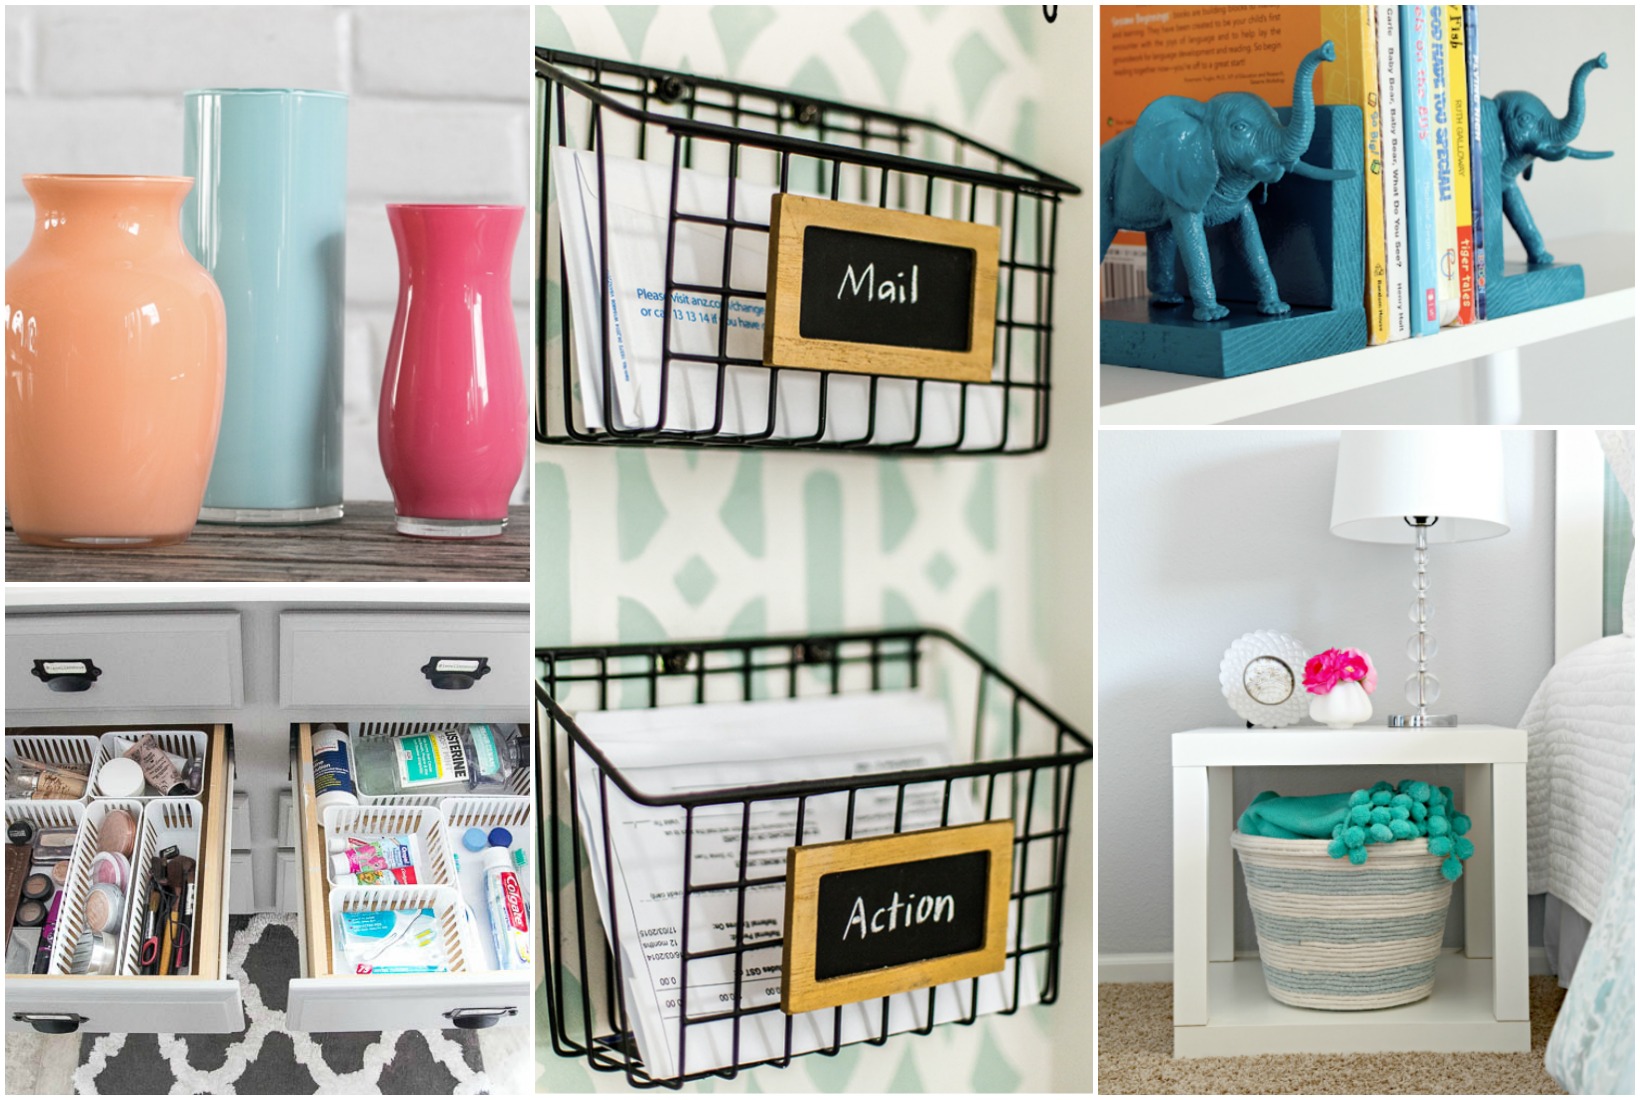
362 547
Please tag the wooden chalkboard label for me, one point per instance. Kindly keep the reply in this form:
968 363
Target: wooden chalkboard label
869 918
855 288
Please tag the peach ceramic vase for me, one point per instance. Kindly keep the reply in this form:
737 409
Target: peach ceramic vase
115 366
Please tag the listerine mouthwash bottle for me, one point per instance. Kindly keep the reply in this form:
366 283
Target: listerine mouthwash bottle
455 760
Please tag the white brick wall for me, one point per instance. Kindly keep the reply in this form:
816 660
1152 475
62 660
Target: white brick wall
439 112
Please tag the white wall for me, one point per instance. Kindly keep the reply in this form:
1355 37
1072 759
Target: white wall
1209 534
438 112
1583 379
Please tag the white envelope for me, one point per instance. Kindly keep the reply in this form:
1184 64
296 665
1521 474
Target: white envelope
639 231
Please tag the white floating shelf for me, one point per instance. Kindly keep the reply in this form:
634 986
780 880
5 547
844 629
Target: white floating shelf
1242 1018
1129 395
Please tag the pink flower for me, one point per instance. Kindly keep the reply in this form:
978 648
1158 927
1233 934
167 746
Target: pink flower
1331 667
1321 672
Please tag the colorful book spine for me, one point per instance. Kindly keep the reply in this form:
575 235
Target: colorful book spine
1457 68
1477 183
1353 79
1387 24
1446 192
1420 178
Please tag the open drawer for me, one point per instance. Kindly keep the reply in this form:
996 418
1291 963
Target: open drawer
474 993
203 1000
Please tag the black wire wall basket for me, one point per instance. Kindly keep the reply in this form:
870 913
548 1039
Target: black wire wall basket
717 1008
704 157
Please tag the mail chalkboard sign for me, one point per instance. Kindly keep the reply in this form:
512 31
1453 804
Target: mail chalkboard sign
868 918
855 288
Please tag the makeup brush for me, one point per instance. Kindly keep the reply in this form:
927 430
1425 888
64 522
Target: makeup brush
179 876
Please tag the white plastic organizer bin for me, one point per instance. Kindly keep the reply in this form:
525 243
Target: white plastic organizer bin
75 750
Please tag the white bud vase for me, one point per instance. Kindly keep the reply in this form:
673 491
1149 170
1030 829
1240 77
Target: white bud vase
1342 707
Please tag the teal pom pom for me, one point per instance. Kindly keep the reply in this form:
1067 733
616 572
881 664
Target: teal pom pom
1360 815
1460 823
1464 848
1451 868
1419 811
1418 791
1358 856
1401 800
1403 830
1399 813
1381 798
1360 798
1440 846
1446 793
1438 826
1380 815
1380 833
1338 830
1336 848
1354 836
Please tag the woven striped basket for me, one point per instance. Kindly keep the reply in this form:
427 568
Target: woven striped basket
1334 934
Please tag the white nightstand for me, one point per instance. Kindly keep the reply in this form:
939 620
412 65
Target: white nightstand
1221 1006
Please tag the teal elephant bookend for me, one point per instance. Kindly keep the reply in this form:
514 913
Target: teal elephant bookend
1310 230
1517 130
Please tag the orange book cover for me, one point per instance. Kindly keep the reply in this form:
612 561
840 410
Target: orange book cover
1200 51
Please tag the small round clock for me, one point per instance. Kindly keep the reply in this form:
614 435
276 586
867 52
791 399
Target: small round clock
1262 677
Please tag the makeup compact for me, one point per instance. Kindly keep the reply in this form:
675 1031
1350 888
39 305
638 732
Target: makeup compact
111 868
59 873
104 906
30 914
20 832
52 844
118 833
93 954
38 887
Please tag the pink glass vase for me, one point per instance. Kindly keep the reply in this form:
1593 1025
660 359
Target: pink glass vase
452 422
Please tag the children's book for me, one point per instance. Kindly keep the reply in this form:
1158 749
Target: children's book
1386 20
1457 69
1418 100
1446 190
1353 79
1477 183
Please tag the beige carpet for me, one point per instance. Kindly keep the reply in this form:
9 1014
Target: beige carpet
1136 1056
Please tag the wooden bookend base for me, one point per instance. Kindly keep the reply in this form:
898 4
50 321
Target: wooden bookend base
1134 333
1524 288
1314 234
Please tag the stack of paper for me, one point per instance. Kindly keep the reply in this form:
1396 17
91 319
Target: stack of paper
632 201
671 751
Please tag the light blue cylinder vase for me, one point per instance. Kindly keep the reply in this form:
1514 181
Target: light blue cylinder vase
267 218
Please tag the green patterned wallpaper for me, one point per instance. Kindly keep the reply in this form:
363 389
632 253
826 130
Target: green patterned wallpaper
637 544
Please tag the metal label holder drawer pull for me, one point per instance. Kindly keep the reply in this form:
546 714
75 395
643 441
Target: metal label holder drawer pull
52 1023
474 1019
67 675
455 673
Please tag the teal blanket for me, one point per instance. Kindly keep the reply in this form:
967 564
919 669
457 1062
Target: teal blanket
1354 820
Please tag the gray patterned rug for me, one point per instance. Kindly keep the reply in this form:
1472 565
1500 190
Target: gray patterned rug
265 1058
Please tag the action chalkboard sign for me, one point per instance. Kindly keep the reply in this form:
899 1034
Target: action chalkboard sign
868 918
855 288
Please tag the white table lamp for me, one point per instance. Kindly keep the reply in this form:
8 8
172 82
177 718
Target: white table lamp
1422 487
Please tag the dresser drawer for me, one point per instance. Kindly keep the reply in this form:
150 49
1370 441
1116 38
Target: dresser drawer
477 995
138 661
407 661
206 1000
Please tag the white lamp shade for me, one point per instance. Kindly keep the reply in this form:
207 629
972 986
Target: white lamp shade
1386 476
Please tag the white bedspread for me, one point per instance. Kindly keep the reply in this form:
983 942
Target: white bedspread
1580 755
